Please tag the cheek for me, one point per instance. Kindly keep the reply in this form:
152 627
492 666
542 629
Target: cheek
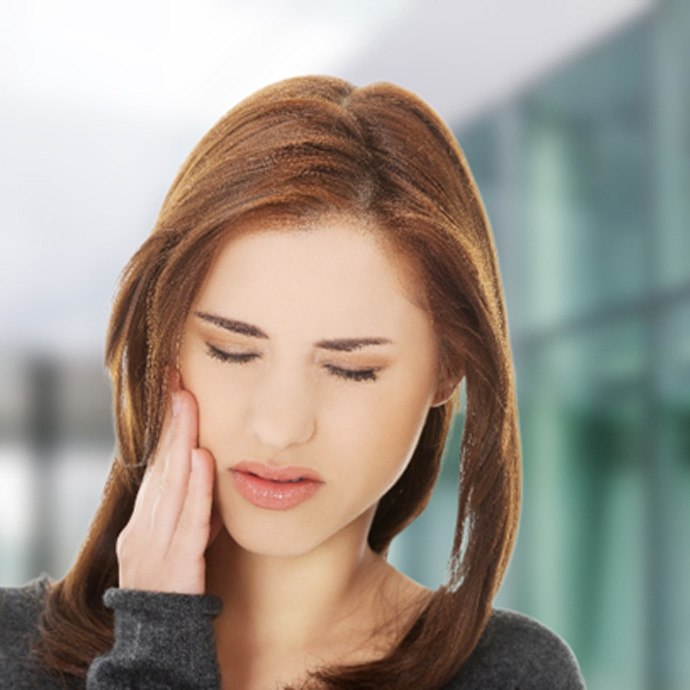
220 419
219 401
380 438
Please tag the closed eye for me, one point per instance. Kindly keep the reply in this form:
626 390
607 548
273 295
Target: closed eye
246 357
236 358
352 374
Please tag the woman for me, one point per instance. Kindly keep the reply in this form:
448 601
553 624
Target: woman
285 351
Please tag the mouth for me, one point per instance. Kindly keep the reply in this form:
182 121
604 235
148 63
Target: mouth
275 488
279 481
272 473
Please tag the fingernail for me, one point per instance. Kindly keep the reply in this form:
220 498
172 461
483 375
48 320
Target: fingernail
175 404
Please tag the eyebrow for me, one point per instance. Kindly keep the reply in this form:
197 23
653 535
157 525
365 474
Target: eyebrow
350 344
231 325
243 328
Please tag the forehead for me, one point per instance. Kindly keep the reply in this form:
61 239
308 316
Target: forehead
334 267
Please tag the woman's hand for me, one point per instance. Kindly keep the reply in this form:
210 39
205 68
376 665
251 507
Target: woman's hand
162 546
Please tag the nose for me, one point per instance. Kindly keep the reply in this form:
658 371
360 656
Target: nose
283 412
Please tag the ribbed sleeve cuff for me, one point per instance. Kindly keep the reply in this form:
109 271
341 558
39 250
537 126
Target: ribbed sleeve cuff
162 639
162 604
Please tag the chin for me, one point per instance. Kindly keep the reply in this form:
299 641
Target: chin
293 534
268 539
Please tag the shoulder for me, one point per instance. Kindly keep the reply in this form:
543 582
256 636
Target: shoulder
518 652
20 608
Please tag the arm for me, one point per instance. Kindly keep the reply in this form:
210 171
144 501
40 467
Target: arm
163 623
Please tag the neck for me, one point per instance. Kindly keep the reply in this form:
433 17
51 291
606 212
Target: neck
291 602
286 615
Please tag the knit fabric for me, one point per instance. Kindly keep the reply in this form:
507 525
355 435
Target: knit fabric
165 640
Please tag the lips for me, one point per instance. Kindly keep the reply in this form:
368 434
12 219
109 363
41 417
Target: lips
275 488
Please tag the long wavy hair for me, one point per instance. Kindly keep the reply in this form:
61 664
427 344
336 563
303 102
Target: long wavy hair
306 148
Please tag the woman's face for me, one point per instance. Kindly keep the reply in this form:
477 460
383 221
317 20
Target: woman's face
314 371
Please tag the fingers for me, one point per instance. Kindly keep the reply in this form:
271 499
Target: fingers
176 465
156 463
162 546
194 525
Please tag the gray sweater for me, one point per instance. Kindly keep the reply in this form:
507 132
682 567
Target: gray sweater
166 640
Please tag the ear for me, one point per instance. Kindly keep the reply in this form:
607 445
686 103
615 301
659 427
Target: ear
445 391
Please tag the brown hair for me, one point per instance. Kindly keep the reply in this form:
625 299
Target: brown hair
305 148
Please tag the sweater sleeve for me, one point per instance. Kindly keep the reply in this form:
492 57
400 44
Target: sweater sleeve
162 640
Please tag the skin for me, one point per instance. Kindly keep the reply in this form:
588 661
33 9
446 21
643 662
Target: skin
300 586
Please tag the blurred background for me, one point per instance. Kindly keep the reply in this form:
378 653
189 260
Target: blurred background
575 118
